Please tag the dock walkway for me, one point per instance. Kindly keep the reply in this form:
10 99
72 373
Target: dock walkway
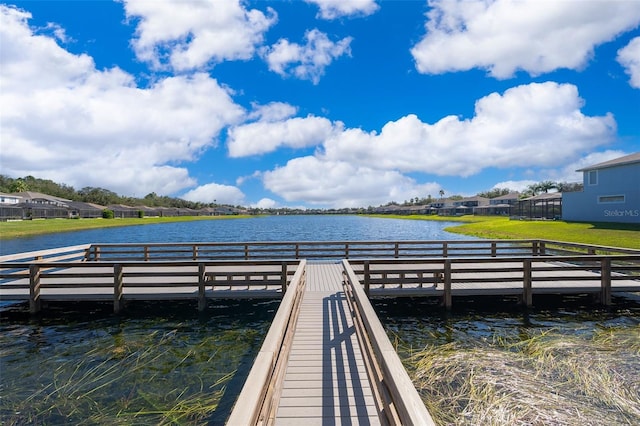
326 381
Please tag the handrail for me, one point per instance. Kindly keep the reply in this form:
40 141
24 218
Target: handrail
78 252
406 407
256 402
334 249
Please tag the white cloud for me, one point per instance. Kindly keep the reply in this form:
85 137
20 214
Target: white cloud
191 34
629 58
266 203
341 184
537 125
308 61
216 193
266 136
97 128
515 185
504 36
273 111
332 9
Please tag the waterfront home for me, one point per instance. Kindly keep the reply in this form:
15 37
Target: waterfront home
498 206
611 192
541 206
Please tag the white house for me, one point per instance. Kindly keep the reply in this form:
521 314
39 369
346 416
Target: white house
611 193
9 198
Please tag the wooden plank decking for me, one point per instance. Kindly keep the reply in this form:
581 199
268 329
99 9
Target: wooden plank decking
325 380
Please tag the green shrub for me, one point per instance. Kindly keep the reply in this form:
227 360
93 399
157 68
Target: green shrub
140 214
107 214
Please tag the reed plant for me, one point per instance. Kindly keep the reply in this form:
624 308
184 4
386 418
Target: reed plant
547 377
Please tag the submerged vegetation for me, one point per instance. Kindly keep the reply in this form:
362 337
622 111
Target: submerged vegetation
143 370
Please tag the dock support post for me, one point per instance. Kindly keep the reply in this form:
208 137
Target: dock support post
284 277
34 289
117 288
605 281
527 292
367 284
202 300
447 284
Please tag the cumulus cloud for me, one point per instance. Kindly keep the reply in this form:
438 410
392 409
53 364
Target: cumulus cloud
629 58
191 34
75 124
341 184
308 61
530 125
538 126
266 203
275 130
332 9
504 36
216 193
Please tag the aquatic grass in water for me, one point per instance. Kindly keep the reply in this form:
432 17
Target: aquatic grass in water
144 370
558 368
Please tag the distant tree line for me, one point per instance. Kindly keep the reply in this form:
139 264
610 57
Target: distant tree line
88 194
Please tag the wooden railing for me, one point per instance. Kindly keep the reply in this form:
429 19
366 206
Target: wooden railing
257 401
528 274
72 253
401 402
340 250
98 281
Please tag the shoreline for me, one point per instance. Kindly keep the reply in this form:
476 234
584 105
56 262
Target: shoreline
32 228
621 235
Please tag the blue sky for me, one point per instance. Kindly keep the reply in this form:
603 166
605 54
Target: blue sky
316 103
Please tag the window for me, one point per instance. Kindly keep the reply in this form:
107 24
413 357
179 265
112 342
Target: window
604 199
593 177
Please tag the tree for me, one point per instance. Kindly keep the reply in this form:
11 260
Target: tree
18 185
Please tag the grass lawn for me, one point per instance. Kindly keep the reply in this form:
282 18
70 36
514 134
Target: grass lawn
28 228
494 227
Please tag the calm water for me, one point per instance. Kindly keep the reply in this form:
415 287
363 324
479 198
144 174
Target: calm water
268 228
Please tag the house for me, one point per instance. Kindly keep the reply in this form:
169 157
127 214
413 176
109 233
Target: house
611 193
9 198
462 206
541 206
499 206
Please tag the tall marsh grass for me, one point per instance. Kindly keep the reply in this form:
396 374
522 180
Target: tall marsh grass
547 378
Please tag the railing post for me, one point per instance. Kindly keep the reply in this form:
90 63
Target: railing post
447 284
605 281
494 249
202 278
195 252
284 277
367 284
246 252
297 251
397 250
97 254
542 249
346 250
445 247
146 253
527 288
34 289
535 250
117 288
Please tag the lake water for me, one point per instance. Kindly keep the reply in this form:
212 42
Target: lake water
264 228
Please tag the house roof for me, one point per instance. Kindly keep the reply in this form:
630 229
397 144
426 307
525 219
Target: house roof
627 159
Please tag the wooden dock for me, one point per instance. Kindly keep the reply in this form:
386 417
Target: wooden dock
326 381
